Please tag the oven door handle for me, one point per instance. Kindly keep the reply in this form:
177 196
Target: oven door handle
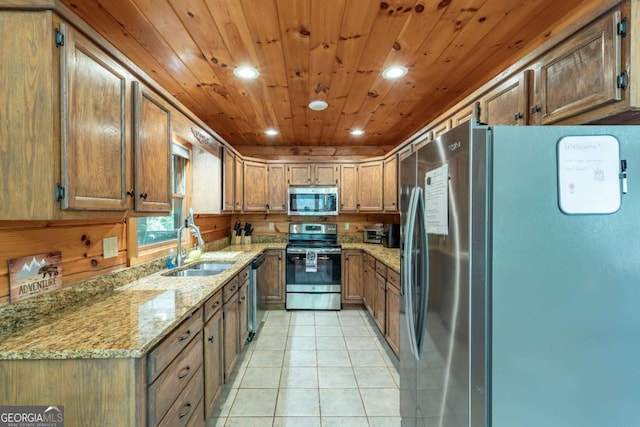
319 251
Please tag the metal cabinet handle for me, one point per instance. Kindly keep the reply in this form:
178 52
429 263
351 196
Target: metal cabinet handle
184 372
143 196
183 413
185 336
210 339
131 193
535 109
518 116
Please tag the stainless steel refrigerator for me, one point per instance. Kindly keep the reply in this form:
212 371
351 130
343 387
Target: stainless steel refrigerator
520 290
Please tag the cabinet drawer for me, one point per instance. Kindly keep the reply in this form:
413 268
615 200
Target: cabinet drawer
169 348
370 260
381 269
393 278
212 305
230 288
164 390
197 419
186 404
243 276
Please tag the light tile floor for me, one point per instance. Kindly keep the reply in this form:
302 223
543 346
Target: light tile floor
312 369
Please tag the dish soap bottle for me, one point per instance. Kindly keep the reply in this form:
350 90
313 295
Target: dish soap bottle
171 261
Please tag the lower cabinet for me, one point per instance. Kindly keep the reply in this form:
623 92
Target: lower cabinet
393 311
380 306
243 314
231 309
369 283
213 354
274 280
352 277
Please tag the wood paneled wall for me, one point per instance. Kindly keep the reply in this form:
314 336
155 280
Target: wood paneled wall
80 242
357 222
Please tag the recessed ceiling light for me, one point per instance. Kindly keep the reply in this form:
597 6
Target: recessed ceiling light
357 132
394 72
271 132
245 72
318 105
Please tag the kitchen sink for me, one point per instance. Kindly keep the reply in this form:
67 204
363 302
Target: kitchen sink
203 269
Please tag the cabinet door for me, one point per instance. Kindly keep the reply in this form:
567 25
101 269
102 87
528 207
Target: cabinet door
580 74
213 362
352 277
274 286
507 104
325 174
370 187
390 190
96 148
348 188
239 185
393 318
231 331
255 187
381 302
299 174
369 284
229 174
276 175
152 143
243 314
469 112
441 128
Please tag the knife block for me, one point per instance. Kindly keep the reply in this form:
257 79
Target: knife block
236 240
246 240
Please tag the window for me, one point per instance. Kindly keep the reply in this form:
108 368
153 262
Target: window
158 229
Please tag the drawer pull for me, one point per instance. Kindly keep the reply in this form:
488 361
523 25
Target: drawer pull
185 410
184 372
210 338
216 304
185 336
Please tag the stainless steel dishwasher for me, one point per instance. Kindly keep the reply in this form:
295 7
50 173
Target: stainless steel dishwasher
256 295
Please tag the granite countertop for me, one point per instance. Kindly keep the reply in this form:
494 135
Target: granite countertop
130 320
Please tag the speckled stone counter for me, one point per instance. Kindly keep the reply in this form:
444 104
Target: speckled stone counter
389 256
128 321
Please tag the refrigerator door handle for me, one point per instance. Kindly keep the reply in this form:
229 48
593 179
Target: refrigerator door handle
415 216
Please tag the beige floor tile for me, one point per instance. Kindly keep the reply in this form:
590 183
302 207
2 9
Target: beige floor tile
235 378
266 359
373 377
216 422
330 343
385 421
296 422
225 402
274 330
249 421
361 343
270 342
302 331
300 358
356 331
261 378
250 402
301 343
299 377
344 422
298 402
303 318
381 402
341 402
336 377
352 321
350 313
333 358
366 358
328 331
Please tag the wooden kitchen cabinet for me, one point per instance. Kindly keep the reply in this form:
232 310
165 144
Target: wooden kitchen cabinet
370 186
390 183
299 174
256 189
312 174
352 260
468 112
229 178
231 310
348 196
213 364
508 103
369 283
277 188
238 185
96 144
274 279
380 305
584 77
392 313
243 314
152 145
325 174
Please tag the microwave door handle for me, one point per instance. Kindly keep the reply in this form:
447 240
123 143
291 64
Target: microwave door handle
407 270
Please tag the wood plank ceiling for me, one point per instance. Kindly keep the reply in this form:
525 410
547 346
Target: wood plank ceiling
331 50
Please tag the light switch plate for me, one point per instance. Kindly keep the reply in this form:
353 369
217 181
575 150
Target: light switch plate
109 247
272 226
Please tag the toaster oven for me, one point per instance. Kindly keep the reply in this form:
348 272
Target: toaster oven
373 235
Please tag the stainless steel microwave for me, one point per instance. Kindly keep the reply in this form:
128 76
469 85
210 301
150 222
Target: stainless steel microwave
319 201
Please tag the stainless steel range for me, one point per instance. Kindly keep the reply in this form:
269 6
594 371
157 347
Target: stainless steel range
313 267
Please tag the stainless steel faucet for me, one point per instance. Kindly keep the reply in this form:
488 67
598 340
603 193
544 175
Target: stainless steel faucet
188 223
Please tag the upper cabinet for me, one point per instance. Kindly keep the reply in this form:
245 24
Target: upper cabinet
361 187
96 112
152 142
508 103
348 196
390 186
312 174
229 175
584 78
325 174
239 185
255 187
277 188
299 174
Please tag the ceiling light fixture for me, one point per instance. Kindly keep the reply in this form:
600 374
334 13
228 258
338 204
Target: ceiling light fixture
245 72
395 72
318 105
271 132
357 132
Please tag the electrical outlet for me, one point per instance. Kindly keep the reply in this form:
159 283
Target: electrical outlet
346 225
109 247
272 226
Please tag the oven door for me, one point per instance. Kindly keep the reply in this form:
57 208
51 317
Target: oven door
325 277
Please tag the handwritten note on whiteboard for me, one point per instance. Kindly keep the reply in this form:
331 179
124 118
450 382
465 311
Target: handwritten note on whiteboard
588 174
436 201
